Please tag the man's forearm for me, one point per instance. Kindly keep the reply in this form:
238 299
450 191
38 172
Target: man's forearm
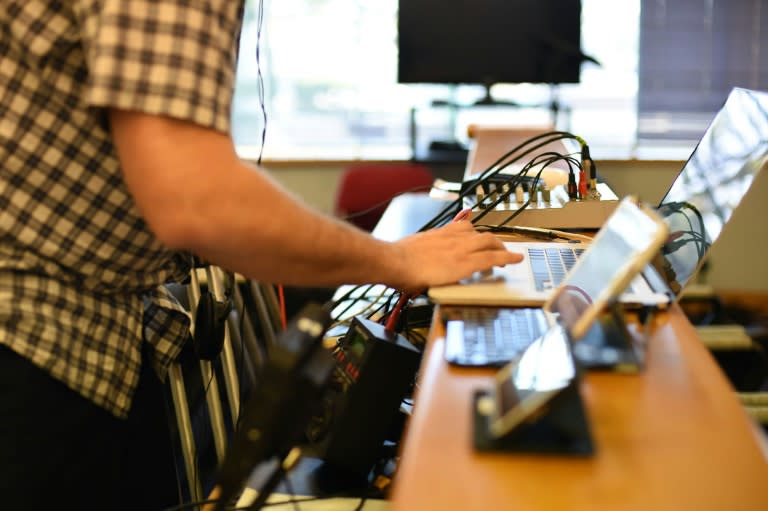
257 228
197 195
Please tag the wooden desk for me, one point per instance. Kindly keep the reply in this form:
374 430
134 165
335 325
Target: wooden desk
674 437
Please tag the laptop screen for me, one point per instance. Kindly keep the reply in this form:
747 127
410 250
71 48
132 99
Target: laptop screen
711 185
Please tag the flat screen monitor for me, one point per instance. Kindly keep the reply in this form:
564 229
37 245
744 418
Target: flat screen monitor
489 41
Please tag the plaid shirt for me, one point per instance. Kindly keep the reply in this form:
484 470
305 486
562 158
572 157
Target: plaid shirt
81 276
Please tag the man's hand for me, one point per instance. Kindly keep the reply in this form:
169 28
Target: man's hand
448 254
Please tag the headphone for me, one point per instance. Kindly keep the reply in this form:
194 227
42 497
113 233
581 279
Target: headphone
211 317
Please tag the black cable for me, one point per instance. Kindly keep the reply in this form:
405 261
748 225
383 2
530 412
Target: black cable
384 306
347 295
384 202
361 504
499 164
556 157
353 300
702 247
483 177
489 172
702 244
567 158
260 77
514 181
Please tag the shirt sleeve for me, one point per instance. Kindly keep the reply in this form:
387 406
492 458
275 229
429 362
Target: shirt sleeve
165 57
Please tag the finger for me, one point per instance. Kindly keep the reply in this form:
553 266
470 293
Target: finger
514 257
480 241
503 258
464 214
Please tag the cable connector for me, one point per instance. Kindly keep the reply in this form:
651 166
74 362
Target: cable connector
583 186
674 246
394 316
589 169
593 193
573 192
586 167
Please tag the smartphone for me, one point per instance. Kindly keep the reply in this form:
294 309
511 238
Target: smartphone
523 388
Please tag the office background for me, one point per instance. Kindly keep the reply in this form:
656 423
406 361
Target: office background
665 68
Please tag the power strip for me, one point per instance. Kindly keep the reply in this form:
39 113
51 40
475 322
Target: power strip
558 212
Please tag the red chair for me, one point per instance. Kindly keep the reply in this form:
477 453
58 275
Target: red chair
366 189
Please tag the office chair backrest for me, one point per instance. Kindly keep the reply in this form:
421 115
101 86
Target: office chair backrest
366 189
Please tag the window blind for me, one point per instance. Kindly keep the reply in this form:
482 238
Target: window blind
692 52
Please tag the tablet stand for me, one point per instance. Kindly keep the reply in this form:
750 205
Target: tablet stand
560 427
608 344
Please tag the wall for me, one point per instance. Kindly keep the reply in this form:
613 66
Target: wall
737 261
315 184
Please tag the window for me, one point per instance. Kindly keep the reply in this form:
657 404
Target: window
692 52
330 88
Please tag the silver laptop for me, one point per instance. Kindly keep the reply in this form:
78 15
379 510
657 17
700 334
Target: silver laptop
630 237
710 186
718 175
531 282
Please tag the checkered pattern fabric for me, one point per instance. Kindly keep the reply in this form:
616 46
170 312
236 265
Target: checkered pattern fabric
81 276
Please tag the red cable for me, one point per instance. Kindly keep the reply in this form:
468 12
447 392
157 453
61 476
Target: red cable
395 314
464 214
281 295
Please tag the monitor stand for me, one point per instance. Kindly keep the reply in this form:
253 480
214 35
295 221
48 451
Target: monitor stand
553 105
489 100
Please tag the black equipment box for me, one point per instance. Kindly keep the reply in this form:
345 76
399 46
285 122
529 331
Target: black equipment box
375 370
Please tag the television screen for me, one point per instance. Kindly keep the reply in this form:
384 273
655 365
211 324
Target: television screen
489 41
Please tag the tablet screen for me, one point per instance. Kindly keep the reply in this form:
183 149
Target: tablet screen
623 246
525 385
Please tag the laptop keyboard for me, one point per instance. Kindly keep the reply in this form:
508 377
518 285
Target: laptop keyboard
491 337
550 265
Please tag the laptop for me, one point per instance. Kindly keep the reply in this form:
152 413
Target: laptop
701 201
697 207
630 237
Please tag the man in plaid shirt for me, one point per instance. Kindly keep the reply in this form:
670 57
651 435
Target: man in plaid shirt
116 164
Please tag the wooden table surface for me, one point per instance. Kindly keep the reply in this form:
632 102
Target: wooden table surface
673 437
